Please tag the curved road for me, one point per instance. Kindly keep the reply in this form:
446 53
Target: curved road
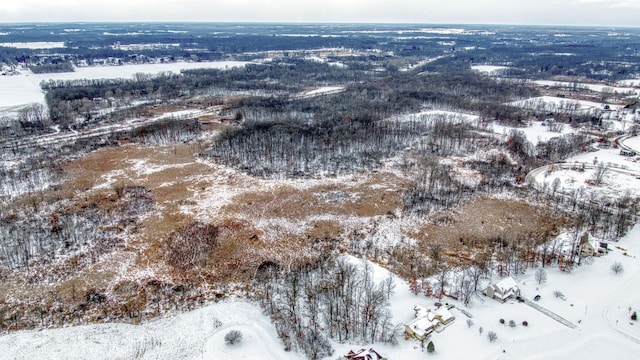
530 178
620 142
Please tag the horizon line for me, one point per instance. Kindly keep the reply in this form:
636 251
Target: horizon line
293 22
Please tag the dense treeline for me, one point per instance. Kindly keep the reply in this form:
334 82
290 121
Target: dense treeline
334 299
382 95
166 132
435 189
298 149
89 233
68 100
52 68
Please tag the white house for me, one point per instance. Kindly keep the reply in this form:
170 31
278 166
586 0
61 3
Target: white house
503 290
428 321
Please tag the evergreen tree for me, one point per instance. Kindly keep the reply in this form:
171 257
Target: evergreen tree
431 348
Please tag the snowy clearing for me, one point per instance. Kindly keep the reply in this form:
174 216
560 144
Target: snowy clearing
535 133
489 69
325 90
550 103
34 45
433 114
421 63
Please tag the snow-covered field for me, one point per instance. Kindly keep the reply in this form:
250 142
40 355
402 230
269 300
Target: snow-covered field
629 82
592 87
325 90
19 90
550 103
34 45
489 69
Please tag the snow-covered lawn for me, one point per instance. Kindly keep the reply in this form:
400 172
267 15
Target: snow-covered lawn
616 182
633 142
198 334
596 300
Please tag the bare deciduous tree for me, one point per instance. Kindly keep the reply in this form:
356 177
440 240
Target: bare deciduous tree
540 276
617 267
492 336
233 337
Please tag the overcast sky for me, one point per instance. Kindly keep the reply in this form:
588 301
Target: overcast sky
541 12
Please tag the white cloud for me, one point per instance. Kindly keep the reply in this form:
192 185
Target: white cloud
572 12
613 3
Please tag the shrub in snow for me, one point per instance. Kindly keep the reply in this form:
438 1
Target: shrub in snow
634 316
469 322
431 348
525 323
502 321
512 323
617 267
480 330
558 294
492 336
233 337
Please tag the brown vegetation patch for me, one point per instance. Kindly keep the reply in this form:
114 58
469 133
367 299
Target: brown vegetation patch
190 246
378 195
476 230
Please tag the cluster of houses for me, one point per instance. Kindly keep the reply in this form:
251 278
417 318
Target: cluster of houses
429 320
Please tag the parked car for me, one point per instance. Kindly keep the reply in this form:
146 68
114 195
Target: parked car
536 298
